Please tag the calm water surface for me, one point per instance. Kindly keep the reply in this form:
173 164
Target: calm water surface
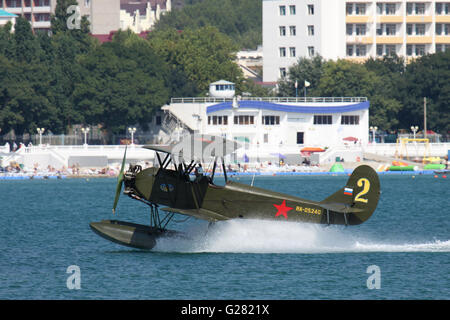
45 229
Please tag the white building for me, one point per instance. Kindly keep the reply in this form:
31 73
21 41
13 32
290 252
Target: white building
6 17
271 125
141 15
351 29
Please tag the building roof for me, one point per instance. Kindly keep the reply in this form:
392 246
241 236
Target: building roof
4 13
221 82
325 109
108 37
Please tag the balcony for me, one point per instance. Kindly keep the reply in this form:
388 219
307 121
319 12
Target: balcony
358 19
44 9
443 39
419 39
419 19
389 40
389 19
442 19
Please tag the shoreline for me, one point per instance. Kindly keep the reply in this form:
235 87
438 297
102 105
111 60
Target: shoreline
229 174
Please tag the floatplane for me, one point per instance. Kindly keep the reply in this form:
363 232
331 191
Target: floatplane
171 188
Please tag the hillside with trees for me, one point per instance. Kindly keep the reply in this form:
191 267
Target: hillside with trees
240 20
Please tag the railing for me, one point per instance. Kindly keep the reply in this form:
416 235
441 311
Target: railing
273 99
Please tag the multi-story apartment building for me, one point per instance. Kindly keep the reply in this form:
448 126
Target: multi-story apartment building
351 29
105 16
36 11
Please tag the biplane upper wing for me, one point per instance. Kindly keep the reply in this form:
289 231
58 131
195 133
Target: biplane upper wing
200 213
198 147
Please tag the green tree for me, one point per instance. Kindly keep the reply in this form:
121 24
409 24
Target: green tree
204 55
240 20
427 76
122 83
306 69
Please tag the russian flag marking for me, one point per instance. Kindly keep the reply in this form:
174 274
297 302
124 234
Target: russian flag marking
348 191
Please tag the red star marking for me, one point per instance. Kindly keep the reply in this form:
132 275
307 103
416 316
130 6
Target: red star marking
282 209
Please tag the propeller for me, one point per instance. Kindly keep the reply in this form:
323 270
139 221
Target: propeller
120 181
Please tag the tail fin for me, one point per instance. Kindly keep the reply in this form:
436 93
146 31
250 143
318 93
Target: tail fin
357 200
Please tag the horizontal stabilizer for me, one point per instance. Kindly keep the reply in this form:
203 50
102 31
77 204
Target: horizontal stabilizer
198 213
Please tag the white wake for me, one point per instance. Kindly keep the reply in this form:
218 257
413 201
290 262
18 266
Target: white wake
255 236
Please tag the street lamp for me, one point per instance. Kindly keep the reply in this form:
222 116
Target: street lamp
40 131
132 131
373 129
414 130
85 131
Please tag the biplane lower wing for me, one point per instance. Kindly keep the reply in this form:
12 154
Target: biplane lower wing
198 213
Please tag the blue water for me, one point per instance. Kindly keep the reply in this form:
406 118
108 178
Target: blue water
45 229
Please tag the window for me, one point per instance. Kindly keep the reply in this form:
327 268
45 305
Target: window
282 52
310 30
409 50
350 120
300 137
360 9
282 10
293 30
360 29
379 8
283 72
218 120
420 49
439 29
292 10
420 8
409 8
224 87
440 48
244 120
442 8
87 3
420 29
379 29
390 50
311 9
390 29
270 120
360 50
349 9
390 8
349 29
292 51
323 119
379 49
311 51
349 50
409 29
158 120
282 31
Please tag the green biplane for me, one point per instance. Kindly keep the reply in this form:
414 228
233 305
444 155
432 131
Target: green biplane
172 188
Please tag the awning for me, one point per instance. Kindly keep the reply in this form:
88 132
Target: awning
312 149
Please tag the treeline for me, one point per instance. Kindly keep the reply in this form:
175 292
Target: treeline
240 20
396 90
70 78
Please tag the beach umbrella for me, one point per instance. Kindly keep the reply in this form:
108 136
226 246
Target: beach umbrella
350 139
312 149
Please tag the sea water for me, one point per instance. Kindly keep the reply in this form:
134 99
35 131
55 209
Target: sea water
48 251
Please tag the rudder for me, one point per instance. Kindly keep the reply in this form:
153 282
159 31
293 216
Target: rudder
359 198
